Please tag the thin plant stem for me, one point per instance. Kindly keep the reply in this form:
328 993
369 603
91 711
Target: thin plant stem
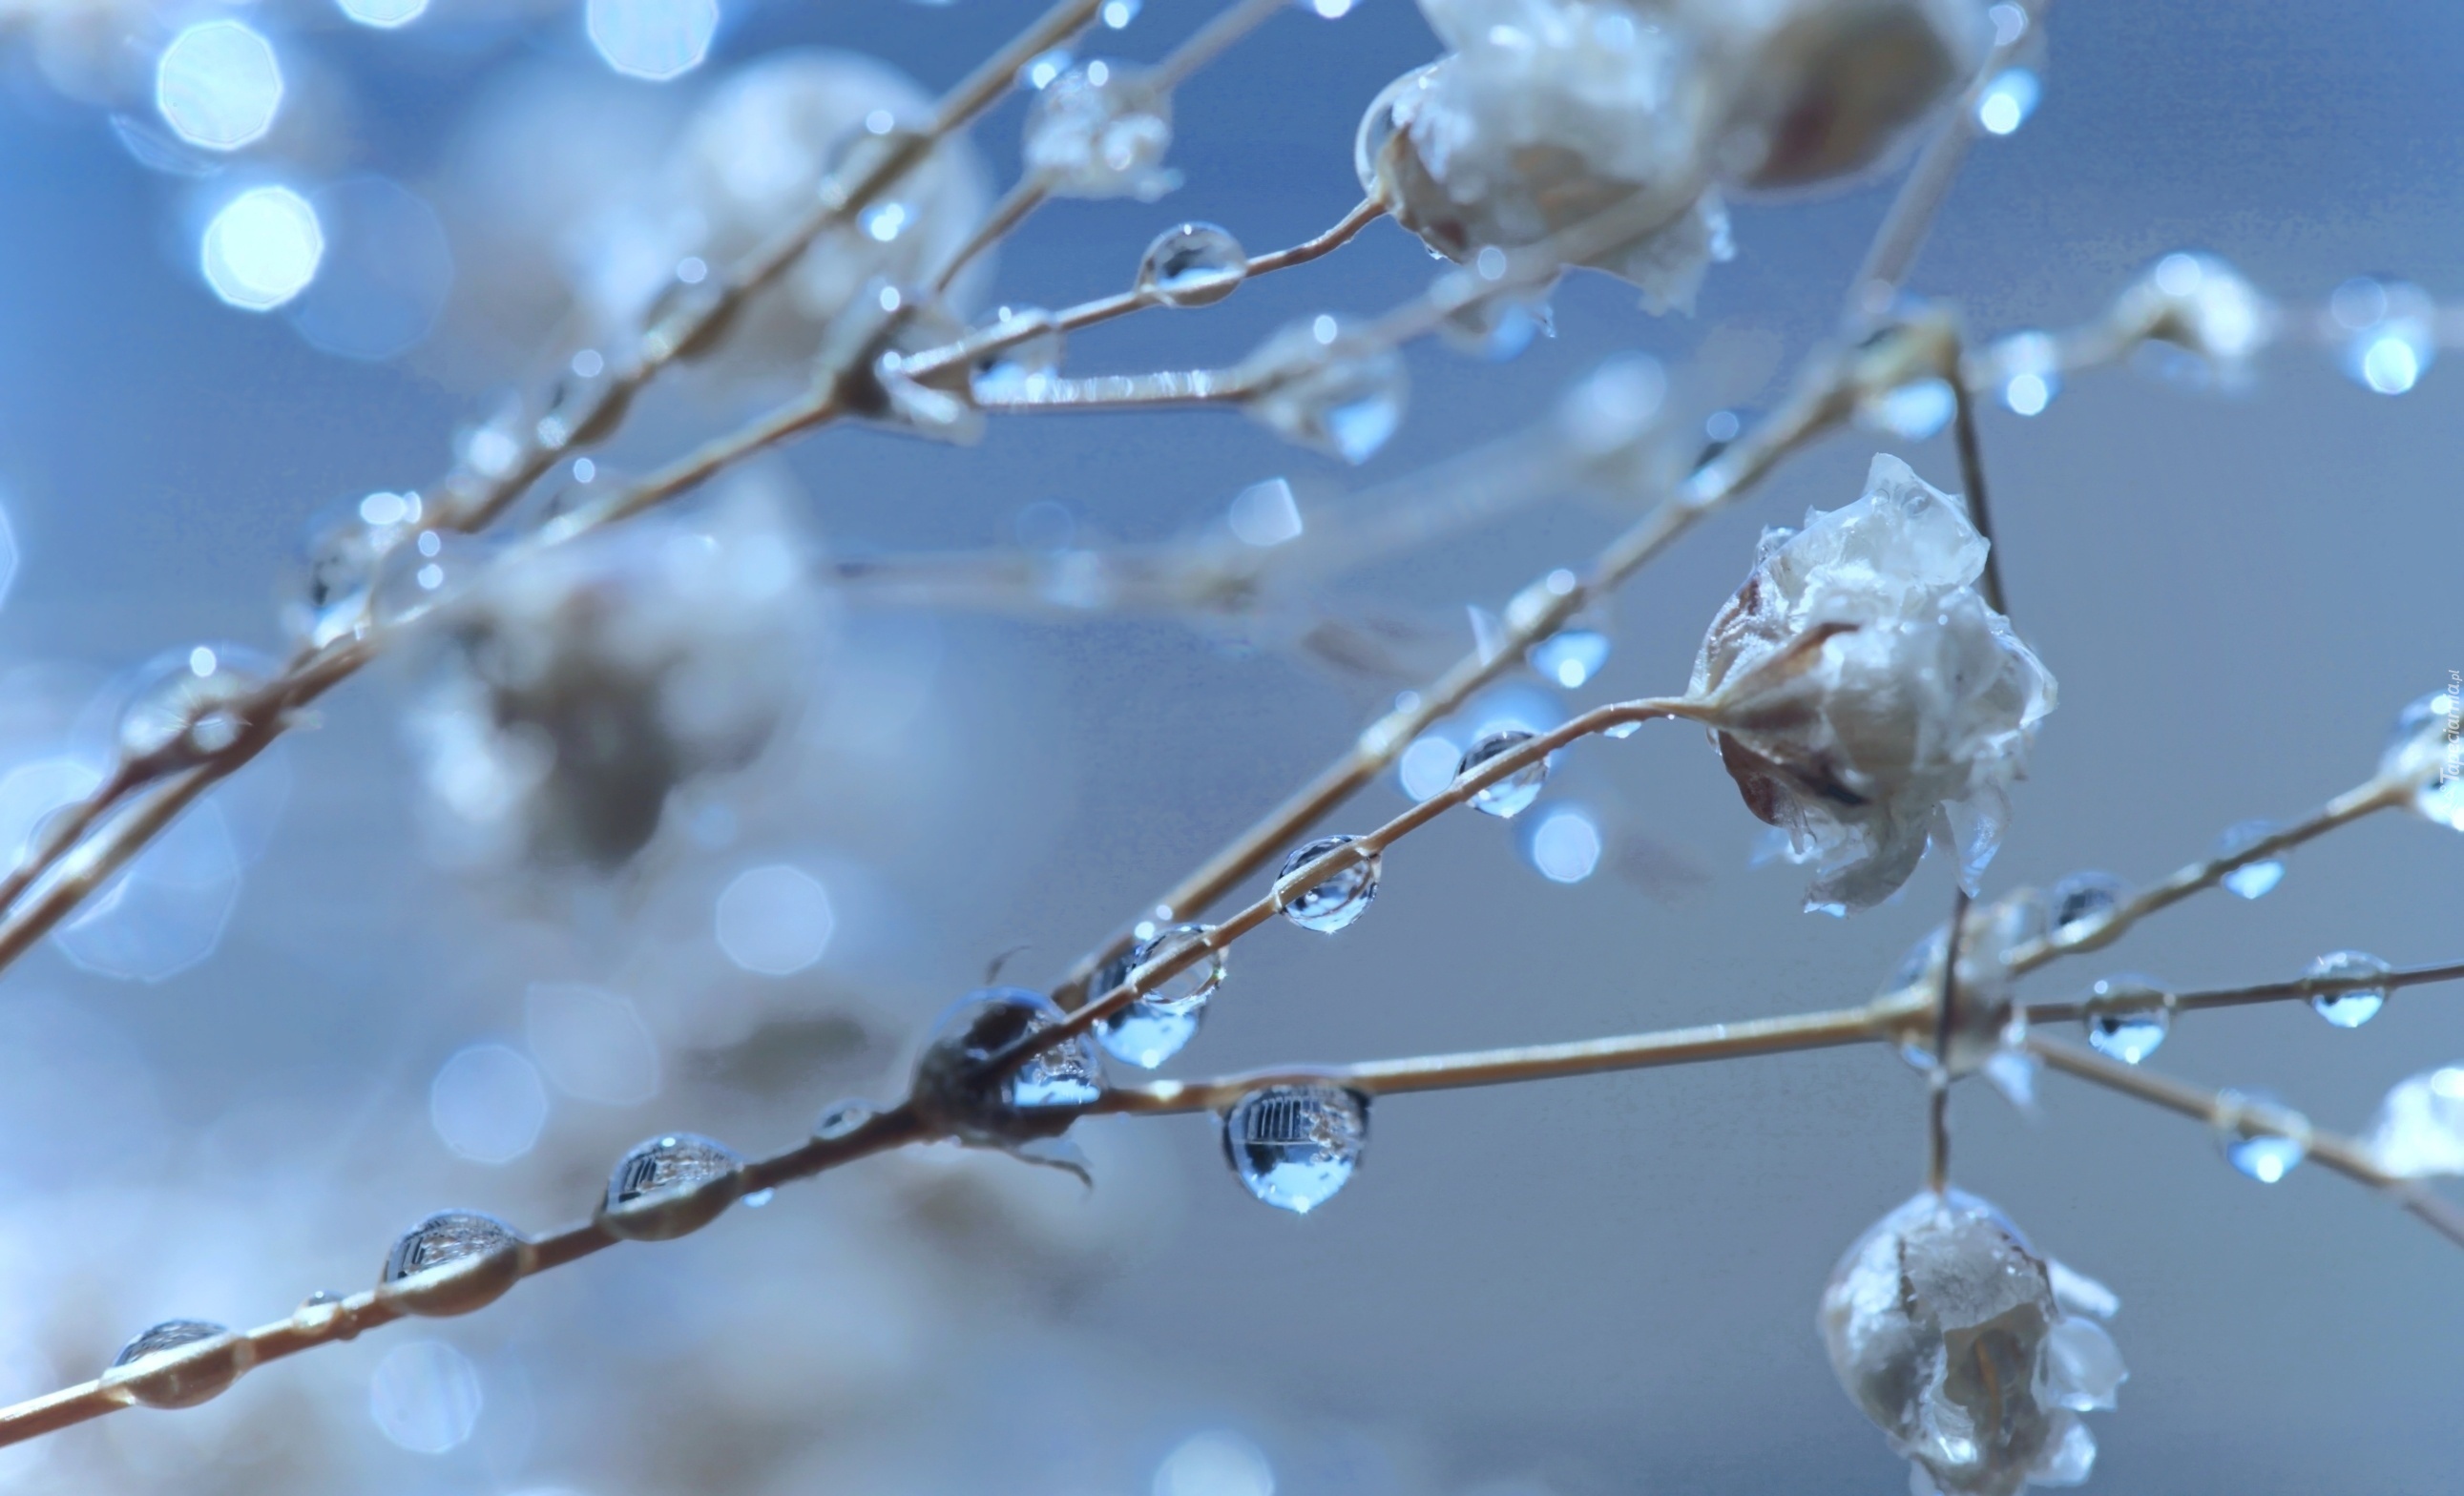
2300 989
1972 477
2217 1108
1938 1075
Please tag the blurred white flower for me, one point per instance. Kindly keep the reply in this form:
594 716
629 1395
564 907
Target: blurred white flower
1974 1355
1814 91
2420 1128
1551 113
1863 695
582 685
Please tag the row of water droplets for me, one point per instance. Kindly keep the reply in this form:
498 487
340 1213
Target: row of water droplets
2128 1016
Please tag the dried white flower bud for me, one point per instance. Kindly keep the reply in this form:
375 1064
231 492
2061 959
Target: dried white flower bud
582 685
1953 1337
1814 91
1549 114
1863 695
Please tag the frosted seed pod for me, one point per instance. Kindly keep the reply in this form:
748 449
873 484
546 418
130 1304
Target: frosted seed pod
188 704
1295 1146
452 1262
1319 385
1948 1333
1513 794
1193 265
180 1363
2128 1017
2353 1006
1101 131
2427 749
954 1093
2260 1136
2252 879
670 1185
2083 901
1334 904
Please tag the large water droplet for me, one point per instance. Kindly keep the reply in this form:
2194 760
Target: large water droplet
2008 101
2355 1007
1320 384
1143 1034
452 1262
2265 1154
1336 903
180 1363
2027 371
1295 1146
1570 658
2252 879
1193 265
953 1091
668 1187
1514 793
1187 989
186 705
2083 901
2127 1016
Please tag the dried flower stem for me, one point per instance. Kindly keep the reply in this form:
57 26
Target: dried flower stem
1938 1075
2381 793
2342 1154
2299 990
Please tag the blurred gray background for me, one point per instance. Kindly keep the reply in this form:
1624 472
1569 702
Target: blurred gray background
1592 1286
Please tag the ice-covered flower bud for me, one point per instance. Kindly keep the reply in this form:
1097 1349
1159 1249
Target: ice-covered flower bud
1972 1354
1549 115
1814 91
578 687
1865 698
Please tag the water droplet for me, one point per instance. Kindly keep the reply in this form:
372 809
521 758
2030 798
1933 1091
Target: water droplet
1043 68
1512 794
1145 1035
452 1262
218 85
2427 748
2083 901
1193 265
1428 766
1190 987
652 39
2252 879
2355 1007
1023 369
1571 657
2028 372
2420 1129
842 1120
2265 1153
339 566
2392 332
186 705
1912 412
431 570
1498 327
1565 846
262 249
668 1187
1101 130
2008 101
180 1363
1332 392
2127 1016
953 1092
1297 1146
1336 903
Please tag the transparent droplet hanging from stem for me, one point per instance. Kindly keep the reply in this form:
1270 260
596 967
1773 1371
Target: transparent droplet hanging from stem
1294 1147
